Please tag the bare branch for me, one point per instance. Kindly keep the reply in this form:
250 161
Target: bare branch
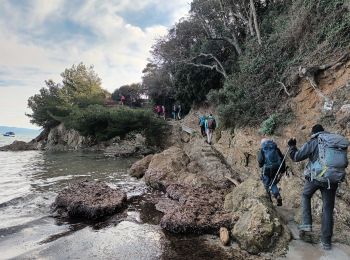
218 66
284 87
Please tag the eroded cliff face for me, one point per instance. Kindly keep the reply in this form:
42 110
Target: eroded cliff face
240 147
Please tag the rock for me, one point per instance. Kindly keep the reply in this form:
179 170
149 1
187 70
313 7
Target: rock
198 210
343 115
139 168
19 146
165 168
62 139
258 228
210 164
89 200
132 145
224 236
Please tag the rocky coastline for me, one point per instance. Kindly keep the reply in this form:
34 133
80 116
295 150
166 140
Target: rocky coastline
61 139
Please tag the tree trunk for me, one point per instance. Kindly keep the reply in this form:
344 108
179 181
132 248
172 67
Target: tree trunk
256 25
250 22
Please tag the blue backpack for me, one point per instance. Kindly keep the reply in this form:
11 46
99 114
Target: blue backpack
202 121
272 158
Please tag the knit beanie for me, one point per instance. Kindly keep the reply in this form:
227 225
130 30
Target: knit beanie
316 129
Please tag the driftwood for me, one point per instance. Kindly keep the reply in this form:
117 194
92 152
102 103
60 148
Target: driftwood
235 182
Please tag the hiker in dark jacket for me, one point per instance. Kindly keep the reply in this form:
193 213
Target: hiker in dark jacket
328 190
201 123
269 169
210 126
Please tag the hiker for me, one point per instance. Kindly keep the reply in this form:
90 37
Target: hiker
202 124
174 112
210 125
158 110
179 112
271 162
163 112
327 154
122 100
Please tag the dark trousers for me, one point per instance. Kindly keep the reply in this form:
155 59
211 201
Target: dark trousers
328 199
203 130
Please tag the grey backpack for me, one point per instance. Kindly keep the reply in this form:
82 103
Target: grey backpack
332 158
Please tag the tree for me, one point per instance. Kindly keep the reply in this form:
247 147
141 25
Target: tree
80 88
132 94
49 102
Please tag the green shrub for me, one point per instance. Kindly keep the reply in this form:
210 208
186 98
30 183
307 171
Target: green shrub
269 125
105 123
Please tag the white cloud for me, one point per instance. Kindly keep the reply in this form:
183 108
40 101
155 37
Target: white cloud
31 51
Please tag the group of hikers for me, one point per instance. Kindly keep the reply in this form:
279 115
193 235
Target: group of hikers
327 155
176 111
207 124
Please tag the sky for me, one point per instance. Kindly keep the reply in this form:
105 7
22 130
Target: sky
40 38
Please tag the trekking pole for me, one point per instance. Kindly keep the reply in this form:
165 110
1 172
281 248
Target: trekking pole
279 168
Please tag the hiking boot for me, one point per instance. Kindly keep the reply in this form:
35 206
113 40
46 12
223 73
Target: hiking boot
279 201
305 228
326 246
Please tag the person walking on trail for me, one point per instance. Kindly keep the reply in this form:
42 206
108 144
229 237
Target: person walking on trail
271 162
122 100
163 112
210 125
179 112
175 111
327 154
158 110
202 124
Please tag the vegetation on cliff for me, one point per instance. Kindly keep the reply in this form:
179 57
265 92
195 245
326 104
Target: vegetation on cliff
245 55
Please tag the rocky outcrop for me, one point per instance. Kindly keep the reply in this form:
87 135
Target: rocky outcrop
138 169
89 200
61 139
257 228
19 146
166 168
195 165
133 145
196 210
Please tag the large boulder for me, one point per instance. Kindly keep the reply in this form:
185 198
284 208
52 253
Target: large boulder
258 228
166 168
89 200
139 168
197 210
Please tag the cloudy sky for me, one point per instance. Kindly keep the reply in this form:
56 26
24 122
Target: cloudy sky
40 38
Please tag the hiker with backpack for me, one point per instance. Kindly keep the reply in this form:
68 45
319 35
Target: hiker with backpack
271 161
202 124
179 112
327 154
210 125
